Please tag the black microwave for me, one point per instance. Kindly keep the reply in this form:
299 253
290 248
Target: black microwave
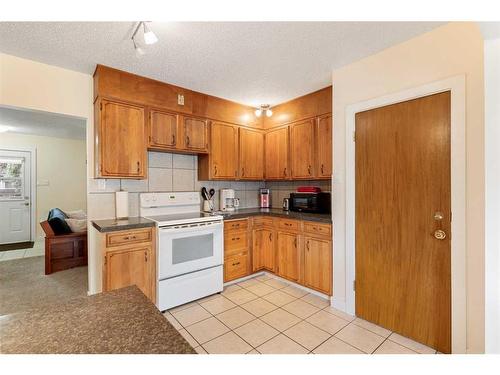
319 203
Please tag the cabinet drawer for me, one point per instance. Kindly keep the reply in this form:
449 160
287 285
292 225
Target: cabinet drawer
235 267
289 224
235 241
316 228
235 225
128 237
262 221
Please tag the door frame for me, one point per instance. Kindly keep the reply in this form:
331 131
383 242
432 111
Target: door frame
33 184
456 85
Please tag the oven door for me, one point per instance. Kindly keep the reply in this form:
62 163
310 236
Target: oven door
187 248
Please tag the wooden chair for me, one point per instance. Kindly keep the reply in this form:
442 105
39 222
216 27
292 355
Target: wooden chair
63 251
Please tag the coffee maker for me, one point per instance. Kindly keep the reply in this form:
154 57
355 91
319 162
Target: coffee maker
226 200
265 198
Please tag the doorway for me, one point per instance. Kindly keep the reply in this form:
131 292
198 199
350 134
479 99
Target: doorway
403 218
16 193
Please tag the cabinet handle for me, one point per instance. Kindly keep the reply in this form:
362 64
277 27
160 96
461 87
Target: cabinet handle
187 140
146 256
173 139
288 224
270 236
309 169
322 169
242 172
235 264
235 226
235 239
138 166
307 245
284 172
105 260
295 242
215 170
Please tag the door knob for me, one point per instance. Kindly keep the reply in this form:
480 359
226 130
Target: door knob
440 234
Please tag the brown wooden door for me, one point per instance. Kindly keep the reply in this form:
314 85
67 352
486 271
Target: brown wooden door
402 187
276 151
122 140
251 154
268 249
195 134
131 266
302 149
162 130
258 245
224 150
324 146
318 264
288 256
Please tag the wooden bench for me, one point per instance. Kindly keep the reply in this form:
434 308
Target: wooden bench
63 251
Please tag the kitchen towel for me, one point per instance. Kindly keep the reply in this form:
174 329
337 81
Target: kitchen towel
121 204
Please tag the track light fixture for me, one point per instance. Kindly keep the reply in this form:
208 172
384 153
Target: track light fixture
148 36
266 108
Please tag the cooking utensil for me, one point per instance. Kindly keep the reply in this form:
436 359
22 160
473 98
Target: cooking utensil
204 193
211 193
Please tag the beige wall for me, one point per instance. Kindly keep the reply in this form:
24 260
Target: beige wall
453 49
60 162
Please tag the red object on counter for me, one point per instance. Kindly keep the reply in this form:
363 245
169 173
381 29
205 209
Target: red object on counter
308 189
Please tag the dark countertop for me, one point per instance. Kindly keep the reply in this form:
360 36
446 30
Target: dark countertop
120 321
277 212
112 225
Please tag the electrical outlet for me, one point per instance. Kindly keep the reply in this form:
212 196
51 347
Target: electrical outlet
180 99
101 184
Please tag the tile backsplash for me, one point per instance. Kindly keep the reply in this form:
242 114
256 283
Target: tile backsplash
177 172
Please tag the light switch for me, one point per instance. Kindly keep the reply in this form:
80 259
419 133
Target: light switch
180 99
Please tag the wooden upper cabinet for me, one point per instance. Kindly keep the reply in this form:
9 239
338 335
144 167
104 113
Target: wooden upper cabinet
195 134
251 154
288 256
224 151
121 141
302 149
324 146
318 264
162 130
276 151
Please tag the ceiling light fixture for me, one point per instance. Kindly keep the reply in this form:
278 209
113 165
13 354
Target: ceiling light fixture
264 108
148 35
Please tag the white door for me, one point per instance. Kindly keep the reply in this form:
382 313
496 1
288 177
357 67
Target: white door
15 196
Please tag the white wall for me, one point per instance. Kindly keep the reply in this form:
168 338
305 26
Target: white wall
492 140
450 50
61 163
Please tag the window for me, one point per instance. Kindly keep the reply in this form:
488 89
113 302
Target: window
11 178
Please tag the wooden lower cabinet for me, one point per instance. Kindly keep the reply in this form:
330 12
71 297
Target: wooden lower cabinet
132 266
237 262
318 264
288 254
263 250
236 266
128 258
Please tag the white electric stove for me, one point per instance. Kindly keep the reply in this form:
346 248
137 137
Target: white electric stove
190 247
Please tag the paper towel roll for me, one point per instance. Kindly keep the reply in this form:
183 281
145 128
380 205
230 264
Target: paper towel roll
121 204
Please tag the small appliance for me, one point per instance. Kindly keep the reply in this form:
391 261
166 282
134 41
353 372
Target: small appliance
265 198
226 200
286 204
319 203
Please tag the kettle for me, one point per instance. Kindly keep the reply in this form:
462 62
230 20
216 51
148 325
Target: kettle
286 204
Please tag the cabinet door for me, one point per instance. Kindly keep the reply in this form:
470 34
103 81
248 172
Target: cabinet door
276 151
195 134
324 146
318 264
251 154
224 151
121 140
162 129
263 249
302 149
288 256
132 266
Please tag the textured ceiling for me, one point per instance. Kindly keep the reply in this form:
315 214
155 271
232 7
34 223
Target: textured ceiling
248 62
42 123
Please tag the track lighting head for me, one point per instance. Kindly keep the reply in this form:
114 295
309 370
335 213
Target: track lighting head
149 36
264 108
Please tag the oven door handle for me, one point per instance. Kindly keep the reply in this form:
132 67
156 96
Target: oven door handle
190 228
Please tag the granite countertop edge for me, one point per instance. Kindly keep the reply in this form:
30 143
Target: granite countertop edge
113 225
276 212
